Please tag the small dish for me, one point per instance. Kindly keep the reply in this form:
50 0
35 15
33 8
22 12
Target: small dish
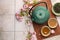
52 23
45 31
56 8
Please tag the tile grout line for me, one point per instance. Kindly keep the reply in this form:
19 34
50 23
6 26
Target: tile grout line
14 17
15 21
13 31
7 14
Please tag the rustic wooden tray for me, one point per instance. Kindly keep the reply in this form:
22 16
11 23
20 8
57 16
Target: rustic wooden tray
37 27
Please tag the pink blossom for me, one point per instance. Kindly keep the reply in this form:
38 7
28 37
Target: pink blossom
18 17
23 9
52 31
30 7
33 37
25 0
25 6
33 33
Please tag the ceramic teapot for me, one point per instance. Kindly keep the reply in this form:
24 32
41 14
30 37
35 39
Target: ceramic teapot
39 14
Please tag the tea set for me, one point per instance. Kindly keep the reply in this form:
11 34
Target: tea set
41 14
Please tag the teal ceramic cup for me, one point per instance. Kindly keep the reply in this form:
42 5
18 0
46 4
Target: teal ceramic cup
39 14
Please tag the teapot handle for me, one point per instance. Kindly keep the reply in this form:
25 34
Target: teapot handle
37 4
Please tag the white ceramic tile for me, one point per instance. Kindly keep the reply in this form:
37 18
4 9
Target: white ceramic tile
58 18
19 4
7 22
53 38
20 35
20 26
54 1
7 6
6 35
1 20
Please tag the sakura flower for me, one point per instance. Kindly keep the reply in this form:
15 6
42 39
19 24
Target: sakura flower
18 17
23 9
25 6
30 6
25 0
33 33
52 31
33 37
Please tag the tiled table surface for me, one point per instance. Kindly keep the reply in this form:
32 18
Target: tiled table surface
10 28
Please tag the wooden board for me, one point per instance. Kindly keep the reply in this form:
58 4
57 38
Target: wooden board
37 27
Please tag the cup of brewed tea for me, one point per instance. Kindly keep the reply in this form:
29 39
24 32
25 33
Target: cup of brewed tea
45 31
52 23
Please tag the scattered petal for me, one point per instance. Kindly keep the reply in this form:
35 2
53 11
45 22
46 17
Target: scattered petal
52 31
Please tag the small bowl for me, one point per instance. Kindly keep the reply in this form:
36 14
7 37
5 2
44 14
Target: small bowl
45 31
58 14
52 23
